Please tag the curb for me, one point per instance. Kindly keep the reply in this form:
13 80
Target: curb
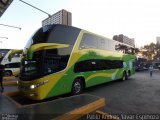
10 83
9 78
12 93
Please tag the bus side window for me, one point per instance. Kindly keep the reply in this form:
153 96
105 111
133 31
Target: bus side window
94 65
89 41
83 66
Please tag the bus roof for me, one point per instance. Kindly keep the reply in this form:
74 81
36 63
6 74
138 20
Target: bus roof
53 25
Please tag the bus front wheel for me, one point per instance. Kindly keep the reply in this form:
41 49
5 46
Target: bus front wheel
77 87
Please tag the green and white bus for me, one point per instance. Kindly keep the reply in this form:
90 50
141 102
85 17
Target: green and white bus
60 59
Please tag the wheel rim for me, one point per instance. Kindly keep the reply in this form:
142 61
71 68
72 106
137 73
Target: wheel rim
77 87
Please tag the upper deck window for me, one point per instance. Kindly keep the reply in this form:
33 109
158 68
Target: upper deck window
93 41
97 42
56 34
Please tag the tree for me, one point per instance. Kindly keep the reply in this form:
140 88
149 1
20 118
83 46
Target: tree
137 50
150 51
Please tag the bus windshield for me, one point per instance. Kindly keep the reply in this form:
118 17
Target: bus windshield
44 62
30 68
48 61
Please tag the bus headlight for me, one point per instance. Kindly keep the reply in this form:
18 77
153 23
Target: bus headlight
38 84
32 86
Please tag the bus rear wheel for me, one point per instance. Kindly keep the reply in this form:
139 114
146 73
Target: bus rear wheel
77 87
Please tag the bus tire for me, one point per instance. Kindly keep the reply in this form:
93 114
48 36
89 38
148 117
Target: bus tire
125 77
77 86
7 73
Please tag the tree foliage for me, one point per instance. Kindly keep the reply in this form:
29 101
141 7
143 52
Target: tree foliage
152 51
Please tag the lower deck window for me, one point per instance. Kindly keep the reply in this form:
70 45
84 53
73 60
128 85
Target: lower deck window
94 65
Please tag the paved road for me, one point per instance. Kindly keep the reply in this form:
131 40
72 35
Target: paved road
138 95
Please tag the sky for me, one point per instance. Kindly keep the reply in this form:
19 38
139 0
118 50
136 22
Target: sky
138 19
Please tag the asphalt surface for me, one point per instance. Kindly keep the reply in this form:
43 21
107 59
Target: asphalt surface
138 95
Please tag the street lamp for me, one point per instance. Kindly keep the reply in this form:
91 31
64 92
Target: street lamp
11 26
35 7
4 37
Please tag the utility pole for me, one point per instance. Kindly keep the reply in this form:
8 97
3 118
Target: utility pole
4 37
35 7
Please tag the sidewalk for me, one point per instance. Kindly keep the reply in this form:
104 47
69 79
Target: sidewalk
10 87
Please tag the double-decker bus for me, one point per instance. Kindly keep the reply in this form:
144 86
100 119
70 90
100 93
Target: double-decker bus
60 59
11 61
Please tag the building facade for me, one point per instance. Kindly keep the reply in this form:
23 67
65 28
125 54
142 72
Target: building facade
124 39
4 4
61 17
158 40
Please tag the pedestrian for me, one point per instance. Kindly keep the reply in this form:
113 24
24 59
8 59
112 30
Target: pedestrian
151 70
1 76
